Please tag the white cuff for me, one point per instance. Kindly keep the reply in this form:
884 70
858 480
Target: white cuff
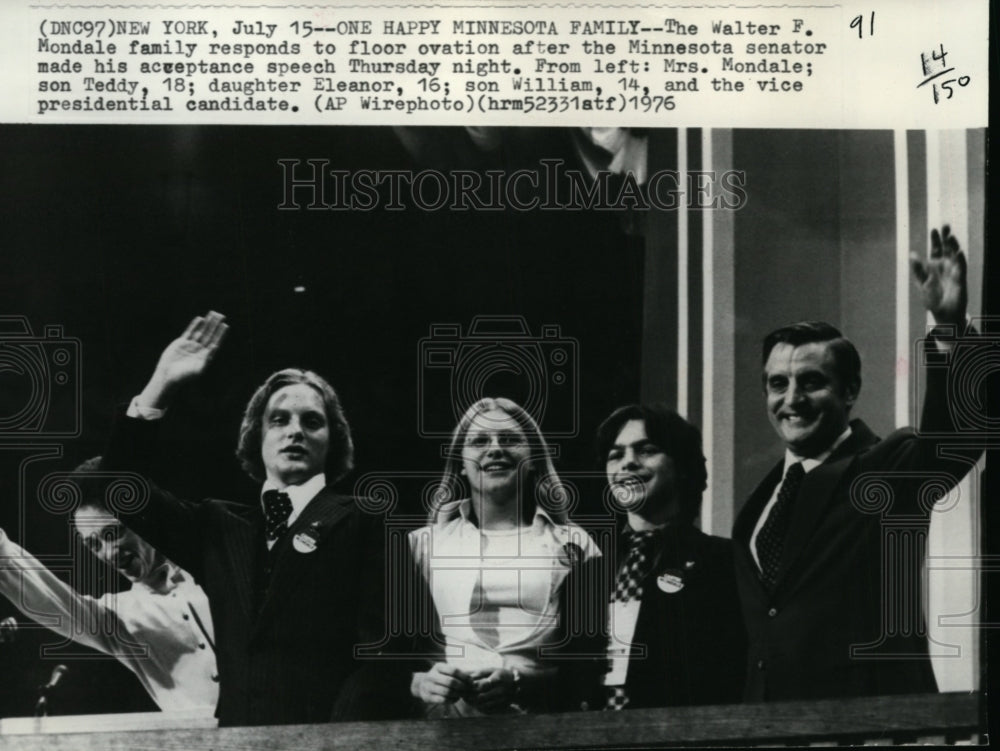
143 413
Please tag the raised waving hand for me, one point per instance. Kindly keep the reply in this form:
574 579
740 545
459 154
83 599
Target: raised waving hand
942 278
185 358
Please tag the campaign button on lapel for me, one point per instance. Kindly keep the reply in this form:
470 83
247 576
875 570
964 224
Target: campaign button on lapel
572 555
670 582
306 540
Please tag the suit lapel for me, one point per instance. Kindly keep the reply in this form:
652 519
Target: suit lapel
678 555
815 495
747 520
752 509
291 564
241 547
662 623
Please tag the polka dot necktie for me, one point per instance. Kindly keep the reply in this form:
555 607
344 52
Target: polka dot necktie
771 538
277 509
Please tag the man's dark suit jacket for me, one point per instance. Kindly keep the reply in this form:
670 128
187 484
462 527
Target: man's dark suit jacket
844 618
694 637
286 622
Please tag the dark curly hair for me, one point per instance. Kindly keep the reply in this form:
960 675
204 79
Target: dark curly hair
340 455
678 438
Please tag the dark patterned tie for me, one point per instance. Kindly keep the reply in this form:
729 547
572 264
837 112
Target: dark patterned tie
277 509
616 698
638 564
771 538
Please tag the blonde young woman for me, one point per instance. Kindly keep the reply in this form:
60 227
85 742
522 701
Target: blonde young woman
505 571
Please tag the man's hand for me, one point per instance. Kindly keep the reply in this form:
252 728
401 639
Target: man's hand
186 357
442 684
942 278
494 690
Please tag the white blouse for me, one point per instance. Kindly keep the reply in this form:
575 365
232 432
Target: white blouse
497 591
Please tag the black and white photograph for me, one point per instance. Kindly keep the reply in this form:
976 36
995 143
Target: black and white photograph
494 436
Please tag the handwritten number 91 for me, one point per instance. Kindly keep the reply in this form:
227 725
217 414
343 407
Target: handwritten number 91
858 23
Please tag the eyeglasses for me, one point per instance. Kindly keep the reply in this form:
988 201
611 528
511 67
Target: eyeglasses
504 439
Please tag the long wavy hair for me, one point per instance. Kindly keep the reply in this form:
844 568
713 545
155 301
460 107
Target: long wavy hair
544 488
340 454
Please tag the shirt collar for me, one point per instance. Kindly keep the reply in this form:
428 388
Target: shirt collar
299 495
541 515
627 529
814 461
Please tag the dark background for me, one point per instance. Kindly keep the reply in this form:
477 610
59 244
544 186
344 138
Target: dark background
121 234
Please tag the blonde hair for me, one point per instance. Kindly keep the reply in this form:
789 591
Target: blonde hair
547 489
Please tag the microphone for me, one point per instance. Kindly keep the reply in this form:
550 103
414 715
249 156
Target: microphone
8 629
42 706
57 673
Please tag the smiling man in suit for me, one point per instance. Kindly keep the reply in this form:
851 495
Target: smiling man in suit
832 607
295 578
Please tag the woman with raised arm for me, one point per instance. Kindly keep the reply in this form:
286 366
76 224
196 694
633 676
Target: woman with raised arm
161 629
